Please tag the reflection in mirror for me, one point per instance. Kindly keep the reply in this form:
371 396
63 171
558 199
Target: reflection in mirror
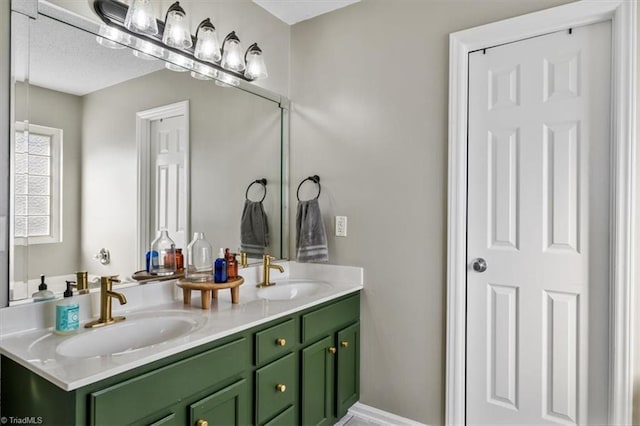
110 148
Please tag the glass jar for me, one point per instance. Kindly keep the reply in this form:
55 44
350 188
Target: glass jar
163 257
199 259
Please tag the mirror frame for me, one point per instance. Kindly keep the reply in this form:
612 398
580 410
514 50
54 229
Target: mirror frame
33 8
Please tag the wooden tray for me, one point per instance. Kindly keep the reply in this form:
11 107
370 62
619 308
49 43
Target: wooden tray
209 290
145 276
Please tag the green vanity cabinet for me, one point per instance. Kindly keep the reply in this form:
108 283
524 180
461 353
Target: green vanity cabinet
300 369
330 369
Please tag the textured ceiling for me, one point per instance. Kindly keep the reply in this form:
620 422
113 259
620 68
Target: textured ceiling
293 11
69 60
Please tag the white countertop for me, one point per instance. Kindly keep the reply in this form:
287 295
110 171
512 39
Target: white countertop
26 331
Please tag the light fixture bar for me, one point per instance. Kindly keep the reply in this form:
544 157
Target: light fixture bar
113 13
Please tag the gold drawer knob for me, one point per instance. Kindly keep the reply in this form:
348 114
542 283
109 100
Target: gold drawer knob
281 342
344 344
281 388
202 423
332 350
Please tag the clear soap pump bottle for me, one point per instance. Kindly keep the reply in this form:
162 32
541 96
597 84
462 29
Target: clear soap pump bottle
199 259
163 255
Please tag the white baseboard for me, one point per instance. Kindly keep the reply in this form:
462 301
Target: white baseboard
378 416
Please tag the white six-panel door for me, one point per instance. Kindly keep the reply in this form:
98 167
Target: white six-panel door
538 200
169 154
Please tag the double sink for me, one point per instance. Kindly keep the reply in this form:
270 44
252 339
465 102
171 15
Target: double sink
145 329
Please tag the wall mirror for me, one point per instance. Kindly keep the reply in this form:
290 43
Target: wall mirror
110 147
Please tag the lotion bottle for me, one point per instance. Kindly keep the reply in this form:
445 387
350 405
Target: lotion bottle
220 268
67 313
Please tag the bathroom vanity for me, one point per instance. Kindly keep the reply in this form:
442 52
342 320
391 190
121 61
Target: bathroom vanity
270 360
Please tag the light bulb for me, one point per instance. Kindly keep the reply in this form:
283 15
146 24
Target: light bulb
178 63
203 72
232 58
207 45
176 28
226 80
112 38
141 18
256 68
148 51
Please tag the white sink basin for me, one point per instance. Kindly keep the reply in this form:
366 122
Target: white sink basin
293 289
138 331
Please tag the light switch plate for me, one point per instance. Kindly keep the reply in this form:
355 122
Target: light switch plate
341 226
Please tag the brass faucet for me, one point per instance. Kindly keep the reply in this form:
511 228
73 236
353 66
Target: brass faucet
106 293
266 271
82 283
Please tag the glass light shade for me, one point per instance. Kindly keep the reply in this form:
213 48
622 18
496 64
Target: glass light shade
163 255
256 68
176 28
178 63
199 259
203 72
147 51
207 45
112 38
232 54
141 18
226 80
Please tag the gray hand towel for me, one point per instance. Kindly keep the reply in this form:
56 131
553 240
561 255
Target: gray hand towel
311 238
254 231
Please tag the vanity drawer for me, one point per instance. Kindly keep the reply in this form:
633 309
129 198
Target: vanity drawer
318 323
275 341
276 387
137 398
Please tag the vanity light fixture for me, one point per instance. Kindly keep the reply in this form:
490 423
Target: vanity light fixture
141 18
173 41
176 28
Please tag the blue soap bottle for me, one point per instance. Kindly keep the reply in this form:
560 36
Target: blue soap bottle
220 268
67 313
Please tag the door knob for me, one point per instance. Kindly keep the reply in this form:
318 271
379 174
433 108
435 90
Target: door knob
281 388
281 341
479 265
202 423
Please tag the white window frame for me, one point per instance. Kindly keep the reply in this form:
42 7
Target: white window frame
55 207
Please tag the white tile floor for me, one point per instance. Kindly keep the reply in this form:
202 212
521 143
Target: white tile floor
351 420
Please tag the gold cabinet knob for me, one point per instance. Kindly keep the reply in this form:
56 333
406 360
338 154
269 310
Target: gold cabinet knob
332 350
344 344
281 342
202 423
281 388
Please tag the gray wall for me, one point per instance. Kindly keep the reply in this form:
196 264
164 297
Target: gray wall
234 137
62 111
369 85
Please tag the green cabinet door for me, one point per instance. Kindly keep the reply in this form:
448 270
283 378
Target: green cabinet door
227 407
348 369
317 383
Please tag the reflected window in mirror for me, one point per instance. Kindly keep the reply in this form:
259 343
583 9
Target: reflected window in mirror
37 184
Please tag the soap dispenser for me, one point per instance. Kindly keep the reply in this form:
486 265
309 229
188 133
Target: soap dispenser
67 313
43 294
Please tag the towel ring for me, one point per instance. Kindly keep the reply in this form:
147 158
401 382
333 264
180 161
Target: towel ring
262 182
315 179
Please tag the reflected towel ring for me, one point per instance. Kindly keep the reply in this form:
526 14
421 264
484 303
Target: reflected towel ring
315 179
262 182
